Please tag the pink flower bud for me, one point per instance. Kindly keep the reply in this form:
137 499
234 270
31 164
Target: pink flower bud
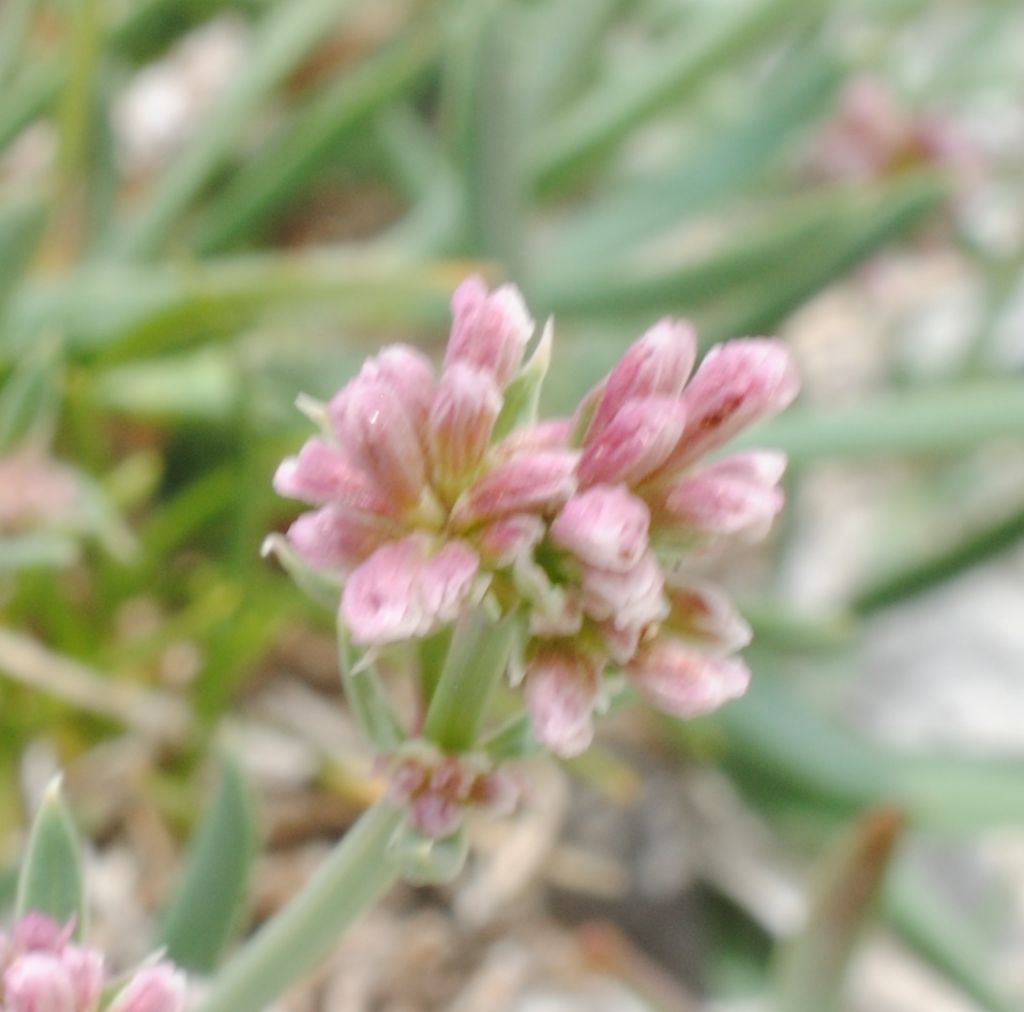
85 970
399 593
562 687
684 682
38 932
540 482
381 602
764 467
409 373
551 434
605 527
158 988
724 500
322 473
375 427
633 443
335 538
447 583
658 364
38 982
631 598
435 815
621 642
738 383
499 792
460 424
489 331
504 541
704 616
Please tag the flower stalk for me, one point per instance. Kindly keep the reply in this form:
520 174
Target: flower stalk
477 659
347 884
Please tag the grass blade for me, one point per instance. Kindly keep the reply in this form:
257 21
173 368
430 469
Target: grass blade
272 180
610 111
812 966
287 35
51 873
939 419
208 904
723 163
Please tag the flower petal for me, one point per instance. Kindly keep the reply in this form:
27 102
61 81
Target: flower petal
604 526
685 682
489 330
335 538
562 688
738 383
659 363
539 482
634 443
381 602
460 424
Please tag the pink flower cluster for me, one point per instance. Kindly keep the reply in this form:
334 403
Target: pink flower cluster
42 970
429 501
437 789
872 137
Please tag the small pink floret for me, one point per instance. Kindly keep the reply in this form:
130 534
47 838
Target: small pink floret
658 364
539 482
683 681
605 526
737 384
634 443
38 982
489 330
158 988
562 687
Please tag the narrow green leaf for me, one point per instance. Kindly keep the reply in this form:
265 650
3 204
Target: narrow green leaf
423 170
290 160
78 112
351 879
938 931
51 880
30 551
15 17
616 107
287 34
782 749
29 96
919 575
21 225
940 419
124 312
881 218
565 35
29 397
208 905
523 394
720 164
483 117
812 966
203 385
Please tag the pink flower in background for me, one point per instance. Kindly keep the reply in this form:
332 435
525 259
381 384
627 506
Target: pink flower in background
42 970
430 500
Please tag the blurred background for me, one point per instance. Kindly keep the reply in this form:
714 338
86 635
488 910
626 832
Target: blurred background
209 206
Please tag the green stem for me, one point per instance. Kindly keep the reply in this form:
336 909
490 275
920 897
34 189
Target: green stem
354 876
476 661
366 698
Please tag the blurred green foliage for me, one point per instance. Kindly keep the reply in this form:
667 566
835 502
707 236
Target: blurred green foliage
619 160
